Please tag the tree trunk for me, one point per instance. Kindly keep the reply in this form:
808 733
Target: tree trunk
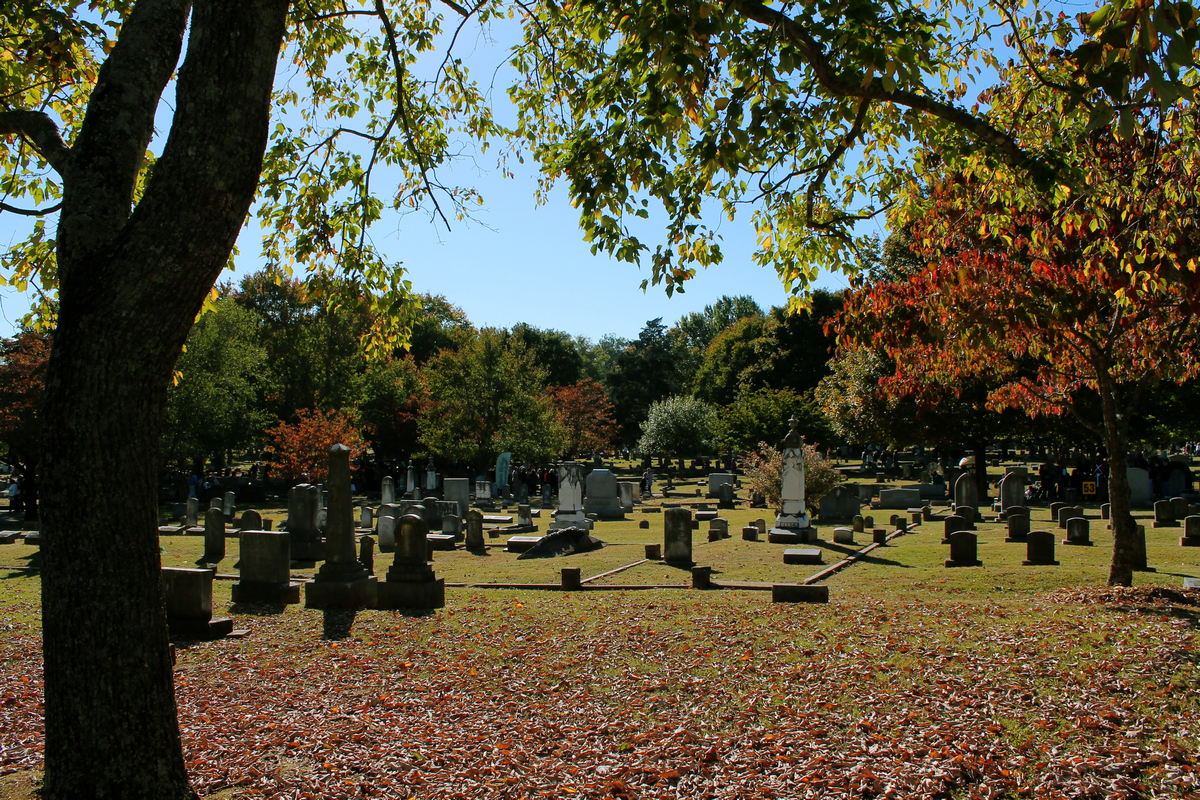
130 286
1120 570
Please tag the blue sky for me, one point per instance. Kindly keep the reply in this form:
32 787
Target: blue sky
517 262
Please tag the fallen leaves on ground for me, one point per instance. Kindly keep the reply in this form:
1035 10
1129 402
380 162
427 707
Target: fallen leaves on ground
1080 693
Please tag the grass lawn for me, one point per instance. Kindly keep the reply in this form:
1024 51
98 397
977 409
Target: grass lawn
914 681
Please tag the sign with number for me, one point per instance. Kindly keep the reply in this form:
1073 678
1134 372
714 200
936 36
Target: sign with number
1089 488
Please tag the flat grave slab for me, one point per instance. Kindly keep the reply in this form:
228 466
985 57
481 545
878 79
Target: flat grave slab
781 536
519 544
802 555
500 519
799 593
440 541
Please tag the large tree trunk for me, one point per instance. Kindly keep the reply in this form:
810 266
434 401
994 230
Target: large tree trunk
130 286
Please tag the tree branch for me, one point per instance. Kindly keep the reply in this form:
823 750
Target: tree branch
864 87
42 133
30 212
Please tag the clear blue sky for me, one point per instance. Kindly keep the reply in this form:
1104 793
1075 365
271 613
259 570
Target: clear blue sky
519 262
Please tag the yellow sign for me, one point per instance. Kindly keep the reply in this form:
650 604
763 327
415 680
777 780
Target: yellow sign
1089 488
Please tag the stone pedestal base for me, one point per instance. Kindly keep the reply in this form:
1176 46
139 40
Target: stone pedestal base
1079 542
340 594
1028 563
519 544
396 594
1189 541
200 628
256 592
1168 523
1020 538
952 563
791 535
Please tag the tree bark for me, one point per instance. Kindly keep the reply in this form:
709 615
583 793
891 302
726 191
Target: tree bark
130 287
1120 570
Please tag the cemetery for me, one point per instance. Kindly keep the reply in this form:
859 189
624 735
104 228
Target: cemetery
832 655
396 496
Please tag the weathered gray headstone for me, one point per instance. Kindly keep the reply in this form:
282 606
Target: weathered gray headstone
193 512
721 526
264 569
624 490
342 581
1018 528
677 535
252 521
1177 482
387 492
452 526
966 493
188 595
474 531
841 502
1106 511
904 498
963 550
570 497
1067 513
716 479
303 510
1078 531
458 490
524 515
602 498
214 536
1181 507
1039 550
385 527
1191 532
1012 492
1164 514
858 524
951 525
228 506
411 582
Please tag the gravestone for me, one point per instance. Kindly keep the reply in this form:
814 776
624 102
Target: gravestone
1054 507
841 502
725 496
951 525
264 569
1106 511
1078 532
252 521
303 509
1191 532
602 498
411 582
192 515
802 555
1164 514
1067 513
570 512
431 478
387 493
799 593
366 518
483 493
1139 550
750 533
366 554
521 492
677 536
1018 528
716 480
214 536
410 481
548 496
625 493
228 506
188 596
1139 486
1012 492
966 495
793 516
474 531
1177 482
217 503
385 527
905 498
963 550
721 526
459 491
843 535
1181 507
858 524
761 524
868 521
1039 550
342 581
525 516
452 526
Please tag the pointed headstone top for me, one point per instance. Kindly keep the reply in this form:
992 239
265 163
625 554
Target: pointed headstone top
338 448
793 438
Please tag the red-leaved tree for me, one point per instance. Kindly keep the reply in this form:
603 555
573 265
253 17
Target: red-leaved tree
1050 296
22 381
587 414
300 450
